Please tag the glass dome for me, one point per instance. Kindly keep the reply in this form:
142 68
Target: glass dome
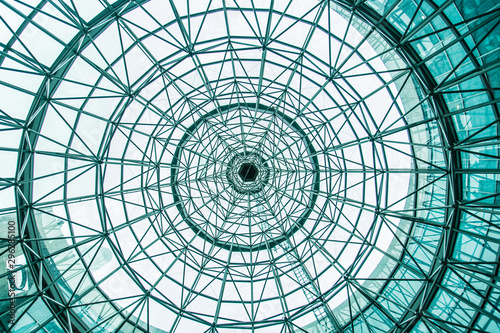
250 166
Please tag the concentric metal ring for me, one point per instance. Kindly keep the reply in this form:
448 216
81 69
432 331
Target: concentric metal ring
247 223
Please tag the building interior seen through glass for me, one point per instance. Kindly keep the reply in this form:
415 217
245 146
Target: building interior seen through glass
269 166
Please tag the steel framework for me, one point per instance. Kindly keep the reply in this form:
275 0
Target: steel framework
268 166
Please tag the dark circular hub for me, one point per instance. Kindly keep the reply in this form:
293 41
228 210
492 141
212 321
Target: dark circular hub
248 172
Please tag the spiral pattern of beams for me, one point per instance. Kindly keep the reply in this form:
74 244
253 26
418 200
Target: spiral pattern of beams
233 166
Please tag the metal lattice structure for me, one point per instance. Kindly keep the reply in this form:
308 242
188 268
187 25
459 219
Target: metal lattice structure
234 166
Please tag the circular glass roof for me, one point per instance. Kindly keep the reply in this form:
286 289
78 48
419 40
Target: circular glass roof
233 166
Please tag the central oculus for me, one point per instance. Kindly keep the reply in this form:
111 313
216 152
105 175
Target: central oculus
248 172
